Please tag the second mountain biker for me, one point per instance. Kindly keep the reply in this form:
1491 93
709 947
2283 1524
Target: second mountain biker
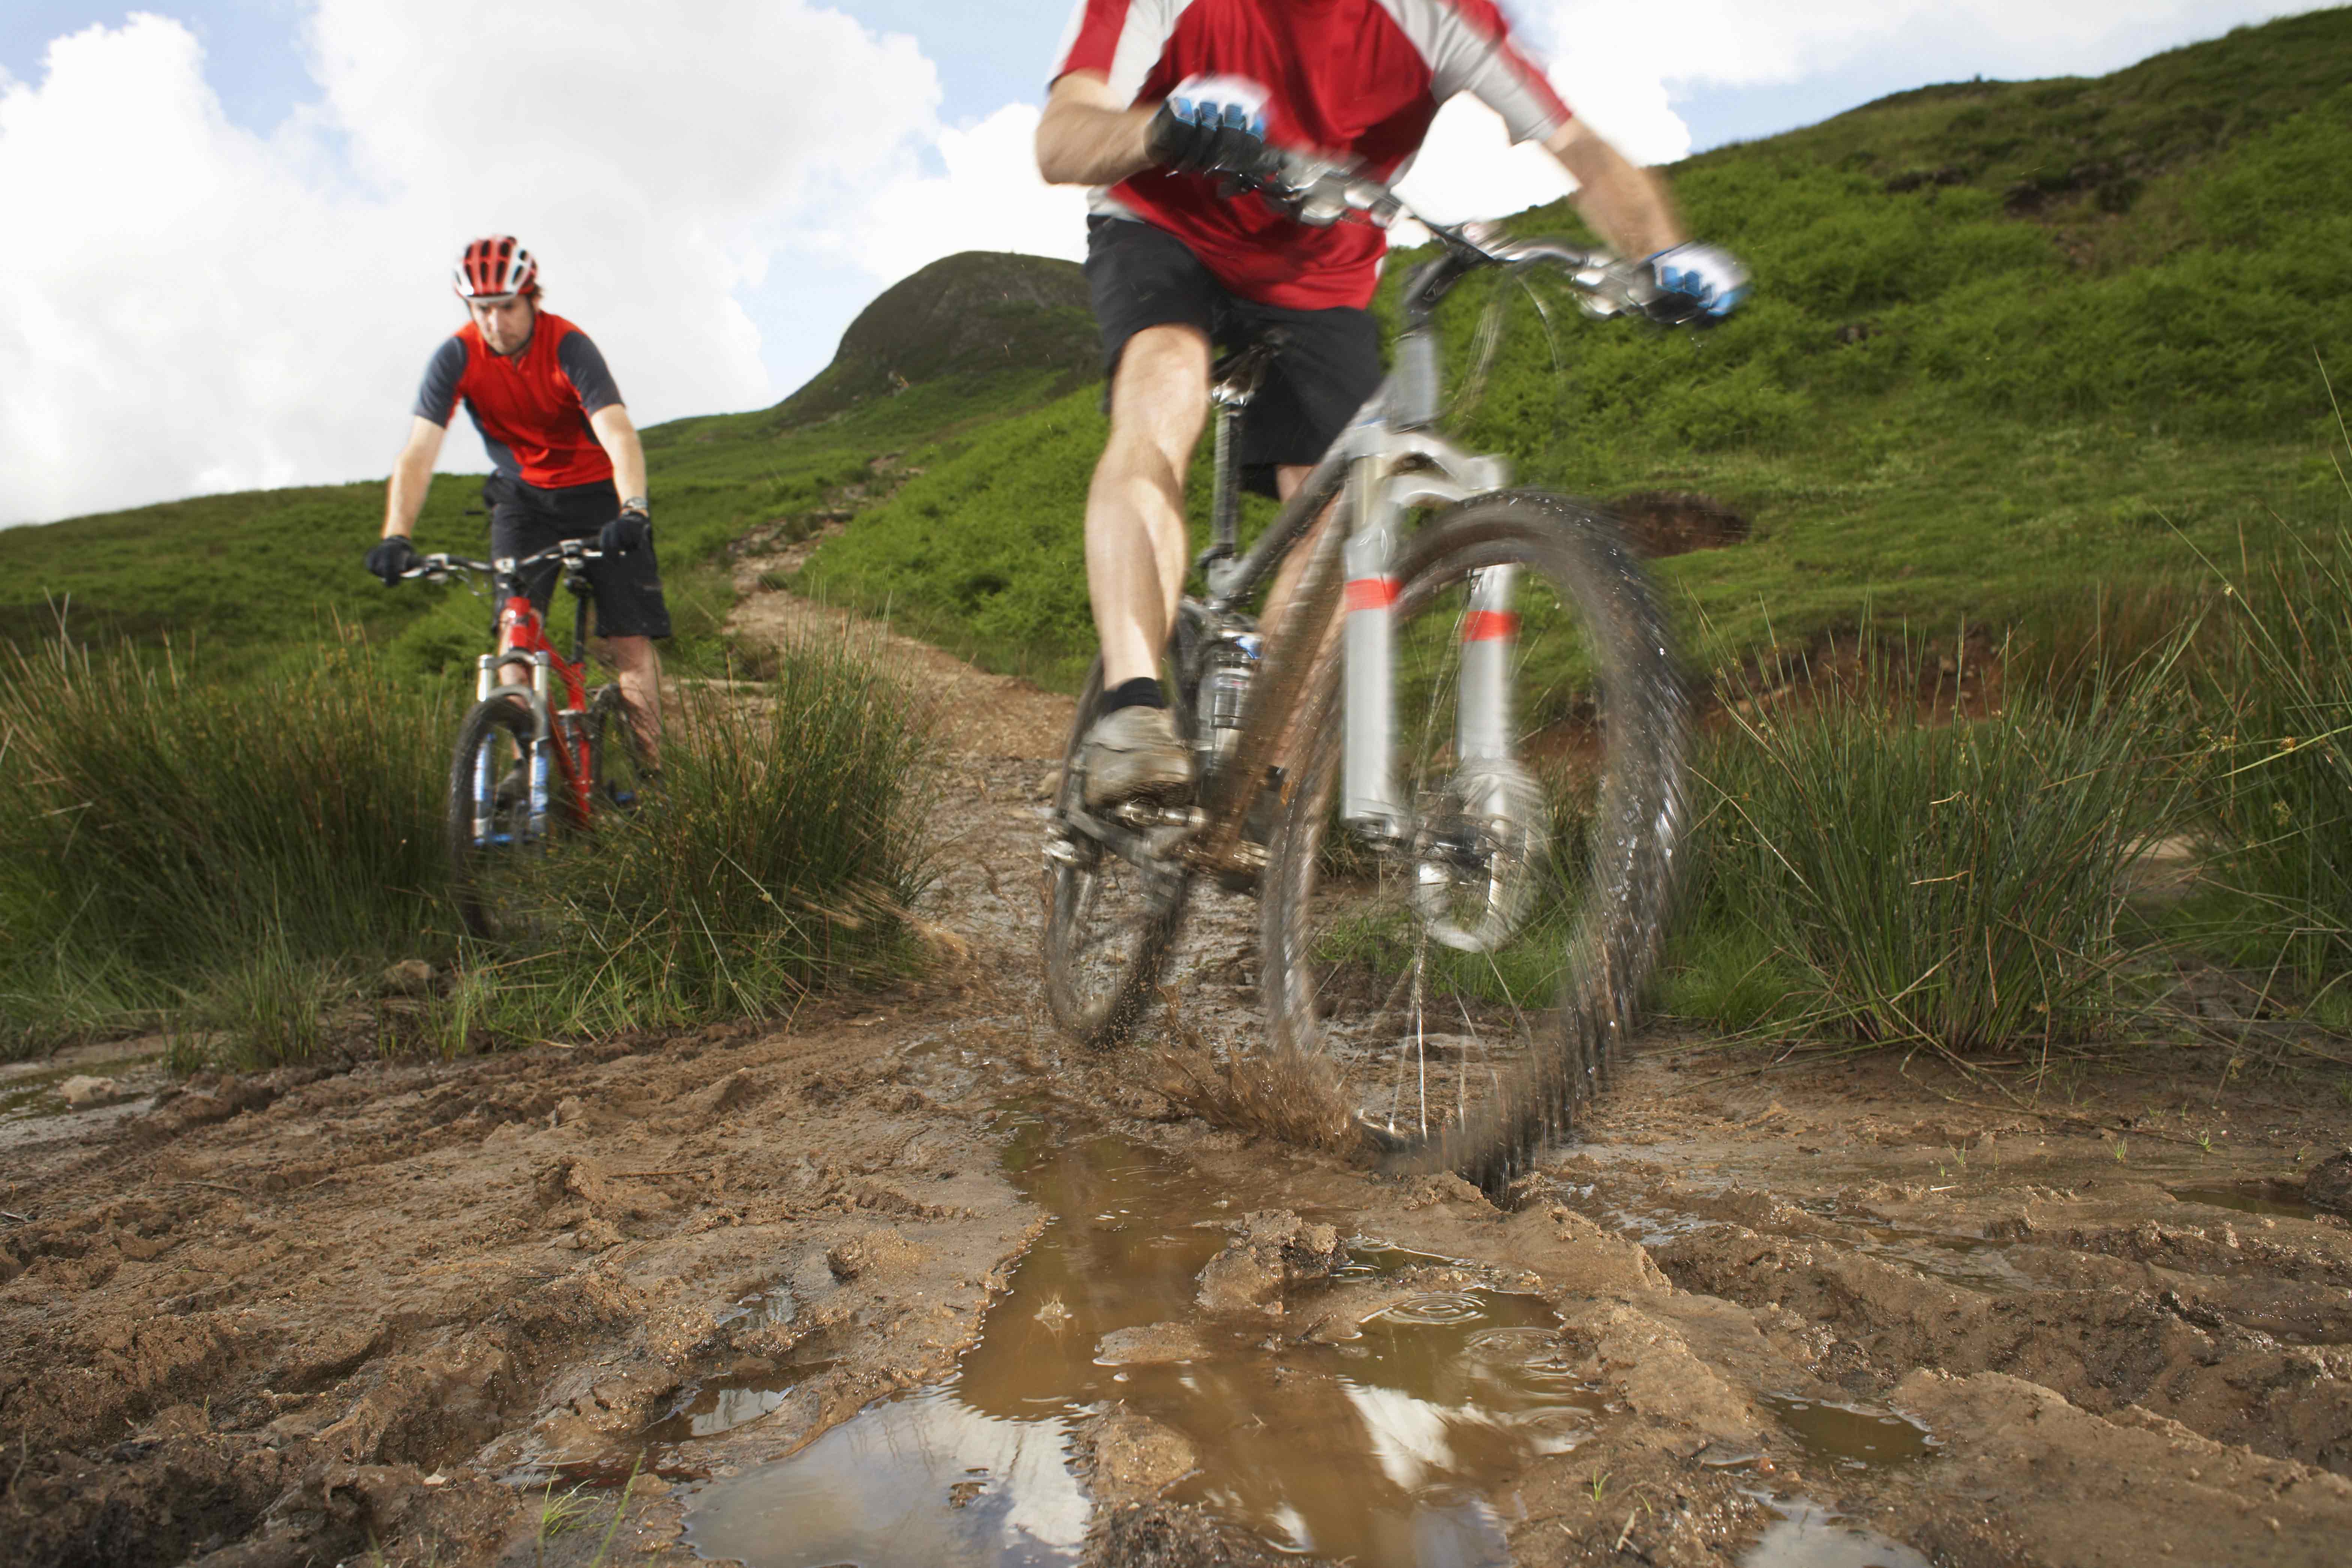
567 458
1153 101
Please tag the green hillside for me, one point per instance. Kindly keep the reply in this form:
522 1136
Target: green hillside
251 580
2008 338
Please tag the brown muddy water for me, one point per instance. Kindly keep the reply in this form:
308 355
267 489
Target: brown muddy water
1375 1445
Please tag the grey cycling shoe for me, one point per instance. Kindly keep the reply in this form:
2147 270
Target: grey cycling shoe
1134 754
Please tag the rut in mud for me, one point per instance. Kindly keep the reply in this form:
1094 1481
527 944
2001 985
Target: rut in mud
906 1264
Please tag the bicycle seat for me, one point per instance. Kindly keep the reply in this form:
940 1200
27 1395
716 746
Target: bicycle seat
1236 375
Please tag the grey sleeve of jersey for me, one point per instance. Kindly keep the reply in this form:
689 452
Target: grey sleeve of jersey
437 398
585 365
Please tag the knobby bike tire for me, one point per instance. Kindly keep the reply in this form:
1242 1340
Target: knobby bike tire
505 728
1337 986
1103 967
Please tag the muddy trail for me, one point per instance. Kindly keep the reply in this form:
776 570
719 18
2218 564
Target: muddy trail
904 1281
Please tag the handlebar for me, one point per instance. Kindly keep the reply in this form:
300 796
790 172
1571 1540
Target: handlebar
1320 191
439 568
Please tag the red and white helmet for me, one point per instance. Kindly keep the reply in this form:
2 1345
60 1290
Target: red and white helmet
496 265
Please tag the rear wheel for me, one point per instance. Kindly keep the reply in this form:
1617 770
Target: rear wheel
1110 923
1458 996
488 820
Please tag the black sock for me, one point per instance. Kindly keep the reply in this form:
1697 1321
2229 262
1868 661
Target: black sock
1143 691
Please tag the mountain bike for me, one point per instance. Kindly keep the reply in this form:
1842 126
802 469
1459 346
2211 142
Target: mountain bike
524 768
1453 767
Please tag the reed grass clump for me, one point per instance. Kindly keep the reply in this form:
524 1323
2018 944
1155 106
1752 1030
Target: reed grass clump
2276 795
779 855
167 834
1864 871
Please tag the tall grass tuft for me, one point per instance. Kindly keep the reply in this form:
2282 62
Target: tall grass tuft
2278 796
1866 872
167 835
780 855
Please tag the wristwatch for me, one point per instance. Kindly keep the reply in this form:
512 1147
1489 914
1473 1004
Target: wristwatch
637 503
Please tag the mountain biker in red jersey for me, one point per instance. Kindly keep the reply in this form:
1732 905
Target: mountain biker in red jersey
559 439
1154 101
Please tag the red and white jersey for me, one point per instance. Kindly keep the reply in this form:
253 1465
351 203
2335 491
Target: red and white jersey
1360 76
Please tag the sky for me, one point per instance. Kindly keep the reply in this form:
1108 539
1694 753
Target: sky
230 222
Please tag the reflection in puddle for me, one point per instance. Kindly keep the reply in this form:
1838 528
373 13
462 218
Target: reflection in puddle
1807 1535
723 1404
1854 1436
925 1480
1371 1449
2267 1198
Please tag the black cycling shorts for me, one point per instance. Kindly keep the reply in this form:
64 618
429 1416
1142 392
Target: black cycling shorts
525 520
1329 364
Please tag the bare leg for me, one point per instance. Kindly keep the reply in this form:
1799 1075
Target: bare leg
1136 541
636 665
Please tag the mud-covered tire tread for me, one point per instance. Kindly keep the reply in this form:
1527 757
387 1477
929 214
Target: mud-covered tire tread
476 908
1101 1023
1577 549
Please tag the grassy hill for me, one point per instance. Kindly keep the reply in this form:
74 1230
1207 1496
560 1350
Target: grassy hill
249 581
2010 341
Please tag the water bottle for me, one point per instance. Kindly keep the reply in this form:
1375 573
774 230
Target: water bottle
1225 692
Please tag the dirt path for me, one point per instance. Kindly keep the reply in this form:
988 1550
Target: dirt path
1797 1315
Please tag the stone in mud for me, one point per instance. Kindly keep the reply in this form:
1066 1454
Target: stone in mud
1154 1344
881 1251
1136 1458
1275 1249
2330 1186
572 1189
409 977
82 1092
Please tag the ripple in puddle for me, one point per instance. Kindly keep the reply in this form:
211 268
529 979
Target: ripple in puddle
1373 1450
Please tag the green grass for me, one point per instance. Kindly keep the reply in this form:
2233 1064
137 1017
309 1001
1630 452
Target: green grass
237 862
1863 872
2276 797
173 836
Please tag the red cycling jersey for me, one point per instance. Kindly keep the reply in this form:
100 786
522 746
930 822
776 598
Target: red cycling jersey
1358 77
531 407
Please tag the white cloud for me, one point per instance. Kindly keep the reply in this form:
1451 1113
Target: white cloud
186 306
988 197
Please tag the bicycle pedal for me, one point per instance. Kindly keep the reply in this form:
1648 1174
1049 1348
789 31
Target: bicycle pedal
1143 817
1061 850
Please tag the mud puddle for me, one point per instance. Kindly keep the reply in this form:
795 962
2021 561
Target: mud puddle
1807 1535
1370 1439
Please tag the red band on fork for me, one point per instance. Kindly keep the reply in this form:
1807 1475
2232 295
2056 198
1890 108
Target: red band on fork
1371 593
1490 625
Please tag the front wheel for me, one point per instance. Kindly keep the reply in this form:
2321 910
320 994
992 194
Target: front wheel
488 820
1110 922
1458 994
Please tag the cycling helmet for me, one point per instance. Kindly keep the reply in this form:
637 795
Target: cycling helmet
496 265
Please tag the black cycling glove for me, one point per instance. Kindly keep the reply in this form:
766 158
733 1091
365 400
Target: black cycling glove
1214 124
630 530
392 555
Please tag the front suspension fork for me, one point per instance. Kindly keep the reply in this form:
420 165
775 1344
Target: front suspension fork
1372 805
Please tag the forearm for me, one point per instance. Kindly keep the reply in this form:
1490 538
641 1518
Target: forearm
618 436
1082 144
404 497
1625 204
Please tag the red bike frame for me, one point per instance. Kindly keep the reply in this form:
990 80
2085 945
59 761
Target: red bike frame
522 636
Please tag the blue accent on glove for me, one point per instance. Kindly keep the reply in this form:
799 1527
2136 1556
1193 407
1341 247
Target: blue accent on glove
1710 277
